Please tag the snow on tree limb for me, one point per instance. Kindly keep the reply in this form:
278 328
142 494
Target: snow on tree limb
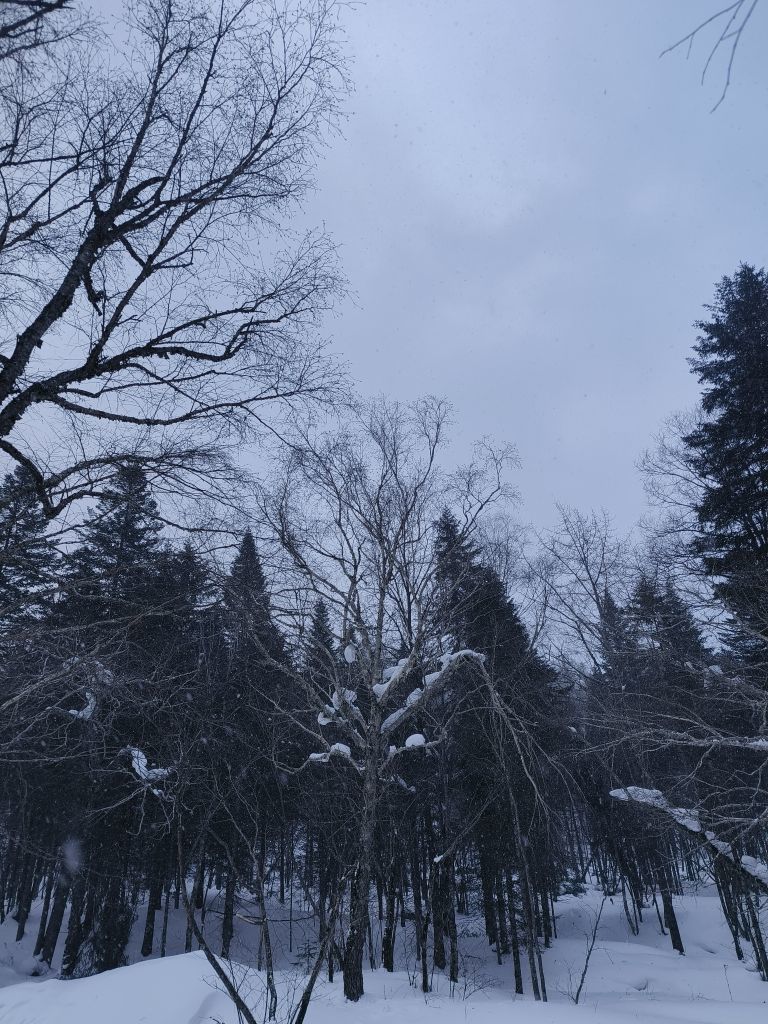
96 675
144 773
417 741
335 749
712 741
391 675
448 662
84 714
688 819
344 713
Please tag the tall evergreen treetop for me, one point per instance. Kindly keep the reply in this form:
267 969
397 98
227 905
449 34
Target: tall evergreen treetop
114 574
616 645
456 554
476 610
320 647
456 573
729 449
666 640
247 600
124 527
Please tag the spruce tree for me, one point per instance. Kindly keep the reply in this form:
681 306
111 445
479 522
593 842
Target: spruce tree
456 574
494 627
247 601
112 577
320 649
180 619
617 647
475 610
729 450
667 648
256 647
27 557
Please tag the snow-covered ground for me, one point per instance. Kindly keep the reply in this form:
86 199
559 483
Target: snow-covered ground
630 978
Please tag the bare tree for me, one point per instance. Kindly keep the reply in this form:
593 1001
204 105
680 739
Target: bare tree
355 516
154 301
27 26
728 24
583 565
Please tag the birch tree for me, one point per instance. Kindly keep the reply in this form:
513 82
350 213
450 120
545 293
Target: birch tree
153 299
354 518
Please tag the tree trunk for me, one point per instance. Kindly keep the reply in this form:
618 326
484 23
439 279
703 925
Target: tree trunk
361 883
74 937
358 926
154 902
421 922
451 924
164 935
53 928
513 933
501 910
228 922
46 908
670 918
390 922
195 886
24 896
265 939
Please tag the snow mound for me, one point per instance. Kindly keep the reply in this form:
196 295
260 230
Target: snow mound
178 990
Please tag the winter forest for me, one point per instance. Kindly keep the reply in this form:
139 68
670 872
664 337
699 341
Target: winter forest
328 732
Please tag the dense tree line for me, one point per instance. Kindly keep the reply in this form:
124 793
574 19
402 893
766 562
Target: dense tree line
161 732
375 704
370 723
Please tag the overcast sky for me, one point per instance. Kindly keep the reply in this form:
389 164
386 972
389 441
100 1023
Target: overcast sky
532 209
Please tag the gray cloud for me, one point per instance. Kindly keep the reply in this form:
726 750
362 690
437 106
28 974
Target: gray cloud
532 209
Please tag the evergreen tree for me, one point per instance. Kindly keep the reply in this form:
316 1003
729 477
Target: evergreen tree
616 647
729 450
678 630
27 557
248 604
456 575
474 606
321 652
180 619
667 647
256 650
494 627
113 576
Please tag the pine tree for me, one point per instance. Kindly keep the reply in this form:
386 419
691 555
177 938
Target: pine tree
667 649
247 600
113 577
27 557
321 654
729 450
256 649
181 590
475 609
679 630
617 647
494 627
456 574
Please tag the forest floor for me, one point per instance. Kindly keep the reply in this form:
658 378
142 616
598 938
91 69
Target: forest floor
630 977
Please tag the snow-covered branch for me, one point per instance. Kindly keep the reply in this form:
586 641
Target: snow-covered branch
148 776
84 714
340 750
688 819
432 682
